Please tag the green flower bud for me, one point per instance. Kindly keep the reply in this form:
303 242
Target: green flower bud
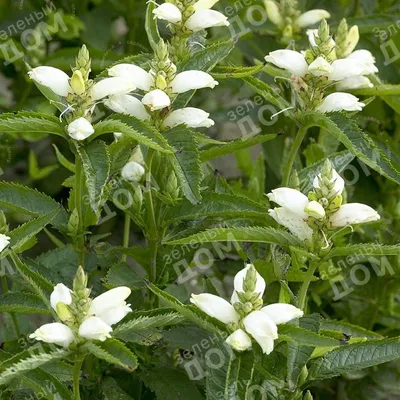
64 313
78 83
161 82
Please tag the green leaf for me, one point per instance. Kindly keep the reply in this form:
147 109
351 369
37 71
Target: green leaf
354 357
63 161
349 329
244 234
112 391
134 129
368 249
30 122
360 144
10 370
151 26
96 165
225 72
21 302
219 205
123 275
369 23
186 162
114 352
304 337
235 145
37 173
30 202
380 90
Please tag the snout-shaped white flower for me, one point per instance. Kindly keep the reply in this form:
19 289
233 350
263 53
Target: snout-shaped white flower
241 275
354 82
52 78
204 4
364 57
296 224
290 60
262 329
133 172
273 12
60 294
312 17
239 340
111 306
353 213
336 179
80 129
142 79
190 80
56 333
94 328
281 313
128 105
204 19
189 116
111 86
346 68
4 242
168 12
315 209
340 101
320 67
156 100
215 307
291 199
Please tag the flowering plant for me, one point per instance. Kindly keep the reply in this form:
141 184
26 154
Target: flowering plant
199 199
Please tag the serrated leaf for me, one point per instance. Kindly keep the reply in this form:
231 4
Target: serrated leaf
111 390
304 337
30 122
242 234
354 357
225 72
349 329
186 162
21 302
96 165
63 161
151 26
114 352
31 202
369 249
123 275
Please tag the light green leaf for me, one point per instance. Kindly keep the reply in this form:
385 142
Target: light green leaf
63 161
304 337
37 173
21 302
151 26
349 329
368 249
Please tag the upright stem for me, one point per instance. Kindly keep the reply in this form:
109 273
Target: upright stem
293 154
77 376
306 284
127 229
78 205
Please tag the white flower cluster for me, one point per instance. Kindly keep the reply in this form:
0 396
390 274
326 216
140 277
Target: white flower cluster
244 315
4 242
201 16
104 311
323 208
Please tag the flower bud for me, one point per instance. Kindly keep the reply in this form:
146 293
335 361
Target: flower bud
56 333
4 242
94 328
352 39
161 82
204 19
339 102
64 313
156 100
110 87
204 4
128 105
60 294
168 12
53 78
239 340
141 78
117 136
273 12
133 172
189 116
78 83
80 129
290 60
192 80
314 209
312 17
242 276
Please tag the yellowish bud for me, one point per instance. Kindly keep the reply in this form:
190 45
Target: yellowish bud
78 83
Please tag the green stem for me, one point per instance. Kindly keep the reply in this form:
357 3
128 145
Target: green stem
127 229
78 206
293 154
77 376
5 289
306 284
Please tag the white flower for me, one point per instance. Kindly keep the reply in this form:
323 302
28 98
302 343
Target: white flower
168 12
340 101
354 82
365 57
215 307
337 179
133 172
156 100
4 242
262 329
60 294
191 117
312 17
353 213
190 80
281 313
52 78
346 68
320 67
56 333
94 328
204 4
204 19
142 79
290 60
291 199
111 306
111 86
239 340
80 129
129 105
273 12
315 209
240 276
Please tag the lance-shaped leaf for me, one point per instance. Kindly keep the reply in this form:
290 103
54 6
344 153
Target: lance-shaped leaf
151 26
225 72
364 249
21 302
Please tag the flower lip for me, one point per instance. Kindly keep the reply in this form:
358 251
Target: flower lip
60 294
291 60
56 333
53 78
204 19
80 129
239 340
94 328
156 100
168 12
4 241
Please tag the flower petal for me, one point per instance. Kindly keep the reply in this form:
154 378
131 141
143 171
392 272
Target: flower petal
94 328
292 199
290 60
191 117
168 12
340 101
53 78
156 100
204 4
56 333
365 57
281 313
133 172
110 87
192 80
239 340
320 67
142 79
4 241
128 105
354 82
204 19
353 213
115 315
240 276
346 68
80 129
109 300
339 182
312 17
60 294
